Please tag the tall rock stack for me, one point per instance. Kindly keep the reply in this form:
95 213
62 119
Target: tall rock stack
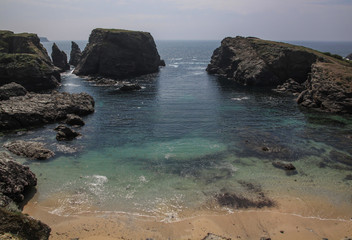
59 58
75 55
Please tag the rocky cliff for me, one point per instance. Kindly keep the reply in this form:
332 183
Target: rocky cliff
75 55
25 61
119 54
59 58
321 81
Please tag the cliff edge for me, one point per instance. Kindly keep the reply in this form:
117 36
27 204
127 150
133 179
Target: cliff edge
119 54
321 81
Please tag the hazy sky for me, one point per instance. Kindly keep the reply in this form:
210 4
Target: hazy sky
323 20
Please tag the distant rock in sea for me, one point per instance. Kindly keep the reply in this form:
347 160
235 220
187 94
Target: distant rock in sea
43 39
119 54
75 55
322 81
25 61
59 58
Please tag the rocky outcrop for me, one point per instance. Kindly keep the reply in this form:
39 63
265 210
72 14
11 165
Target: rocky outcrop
25 61
130 87
65 133
38 109
59 58
15 180
119 54
349 56
252 61
11 90
29 149
322 81
74 120
75 55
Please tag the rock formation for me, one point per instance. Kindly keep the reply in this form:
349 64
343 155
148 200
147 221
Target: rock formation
130 87
25 61
349 56
65 133
29 149
11 90
59 58
321 81
74 120
38 109
75 55
119 54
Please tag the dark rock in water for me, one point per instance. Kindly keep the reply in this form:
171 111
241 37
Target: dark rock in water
59 58
65 133
25 61
15 179
162 63
22 227
11 90
38 109
33 150
252 61
74 120
290 86
130 87
237 201
75 55
284 165
212 236
349 56
119 54
340 157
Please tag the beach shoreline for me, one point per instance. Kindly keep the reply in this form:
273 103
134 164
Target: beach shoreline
274 223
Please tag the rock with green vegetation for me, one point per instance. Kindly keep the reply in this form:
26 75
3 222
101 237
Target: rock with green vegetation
75 55
25 61
322 81
119 54
59 58
34 110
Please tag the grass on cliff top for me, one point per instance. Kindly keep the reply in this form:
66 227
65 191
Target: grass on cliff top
116 30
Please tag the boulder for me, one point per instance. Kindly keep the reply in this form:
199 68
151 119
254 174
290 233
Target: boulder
130 87
349 56
65 133
34 110
59 58
29 149
290 86
15 180
25 61
11 90
211 236
75 55
119 54
74 120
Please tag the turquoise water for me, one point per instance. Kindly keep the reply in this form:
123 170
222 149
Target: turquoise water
185 137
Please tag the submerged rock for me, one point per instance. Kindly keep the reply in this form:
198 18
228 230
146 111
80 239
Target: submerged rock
237 201
59 58
130 87
284 165
65 133
11 90
29 149
119 54
37 109
75 55
74 120
25 61
15 180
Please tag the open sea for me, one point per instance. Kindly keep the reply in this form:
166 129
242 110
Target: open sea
187 136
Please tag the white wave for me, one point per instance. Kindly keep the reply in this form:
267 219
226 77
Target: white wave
70 85
174 65
240 98
176 59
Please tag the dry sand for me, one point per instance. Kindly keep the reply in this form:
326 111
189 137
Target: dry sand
316 220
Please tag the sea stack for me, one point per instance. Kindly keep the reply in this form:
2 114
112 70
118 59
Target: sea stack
119 54
321 81
75 55
24 60
59 58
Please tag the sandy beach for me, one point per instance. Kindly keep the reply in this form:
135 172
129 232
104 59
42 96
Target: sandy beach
323 221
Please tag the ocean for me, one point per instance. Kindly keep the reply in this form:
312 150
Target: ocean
186 136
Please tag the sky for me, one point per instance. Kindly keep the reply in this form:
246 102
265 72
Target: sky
308 20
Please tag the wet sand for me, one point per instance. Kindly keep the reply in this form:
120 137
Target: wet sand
322 220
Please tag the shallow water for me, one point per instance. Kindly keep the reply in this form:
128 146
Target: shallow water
185 137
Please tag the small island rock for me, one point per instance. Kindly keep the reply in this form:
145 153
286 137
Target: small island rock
75 55
29 149
65 133
119 54
59 58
